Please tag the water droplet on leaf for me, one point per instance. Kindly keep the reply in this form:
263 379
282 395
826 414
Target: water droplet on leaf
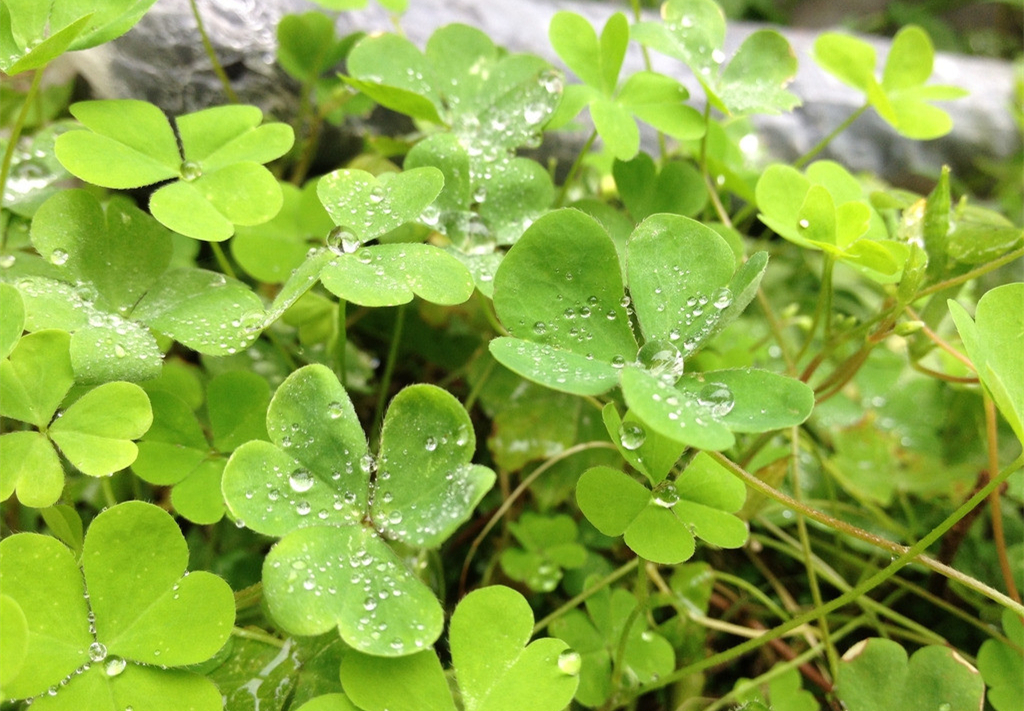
190 170
632 435
570 662
301 481
666 495
58 257
97 651
114 666
341 240
718 398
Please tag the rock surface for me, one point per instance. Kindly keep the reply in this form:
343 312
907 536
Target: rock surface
162 60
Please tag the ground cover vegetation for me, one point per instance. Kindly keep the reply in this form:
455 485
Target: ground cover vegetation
446 427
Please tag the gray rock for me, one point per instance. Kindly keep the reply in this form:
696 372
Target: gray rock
162 60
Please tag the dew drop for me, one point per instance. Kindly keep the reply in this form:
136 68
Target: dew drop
480 194
804 224
662 359
58 257
335 410
301 481
97 651
365 256
341 240
666 495
718 398
431 444
570 662
190 170
114 666
119 350
377 194
540 328
723 298
632 435
303 508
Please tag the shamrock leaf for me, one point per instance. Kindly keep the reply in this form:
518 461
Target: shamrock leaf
660 524
650 453
491 103
754 81
549 543
902 97
875 675
677 188
270 251
597 635
1002 667
13 308
495 668
94 433
176 451
826 210
95 644
32 34
994 341
559 293
312 485
220 181
115 281
653 98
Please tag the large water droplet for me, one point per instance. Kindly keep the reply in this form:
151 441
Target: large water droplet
662 359
666 495
190 170
377 194
97 651
341 240
570 662
723 298
632 435
718 398
431 444
335 410
58 257
114 666
301 481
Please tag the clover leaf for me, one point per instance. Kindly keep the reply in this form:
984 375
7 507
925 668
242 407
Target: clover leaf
115 281
94 433
902 97
13 309
102 632
754 81
994 341
1002 666
784 691
32 34
677 187
549 544
649 452
491 103
826 209
559 292
270 251
495 668
875 674
597 635
219 181
176 451
655 99
660 524
312 485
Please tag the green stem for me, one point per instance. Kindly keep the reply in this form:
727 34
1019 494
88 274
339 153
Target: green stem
824 309
212 55
821 145
249 597
389 369
258 635
756 592
974 273
808 556
108 491
12 141
573 603
340 344
575 169
912 554
887 545
222 260
712 189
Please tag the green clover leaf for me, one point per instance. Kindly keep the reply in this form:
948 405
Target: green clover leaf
13 308
826 210
94 433
660 524
549 544
220 178
176 452
901 98
559 292
115 284
677 188
597 635
754 81
312 485
1002 667
495 667
994 341
106 641
33 34
875 674
648 96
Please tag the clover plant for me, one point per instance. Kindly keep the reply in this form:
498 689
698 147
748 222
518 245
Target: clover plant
750 429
